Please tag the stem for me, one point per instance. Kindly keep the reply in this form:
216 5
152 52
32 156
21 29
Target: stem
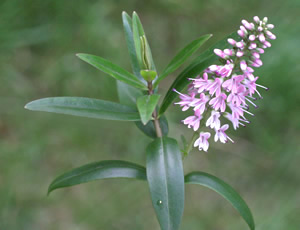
154 114
190 145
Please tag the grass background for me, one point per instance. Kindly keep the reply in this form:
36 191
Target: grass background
38 43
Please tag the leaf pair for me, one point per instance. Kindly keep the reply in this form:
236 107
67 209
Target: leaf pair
165 177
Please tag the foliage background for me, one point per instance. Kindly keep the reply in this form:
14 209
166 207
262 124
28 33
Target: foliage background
38 42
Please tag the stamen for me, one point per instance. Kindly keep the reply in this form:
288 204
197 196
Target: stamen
261 86
255 106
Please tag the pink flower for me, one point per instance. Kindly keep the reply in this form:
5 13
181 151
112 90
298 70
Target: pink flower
218 102
185 100
215 87
225 71
201 84
199 103
213 121
202 141
193 121
236 121
238 98
233 83
221 135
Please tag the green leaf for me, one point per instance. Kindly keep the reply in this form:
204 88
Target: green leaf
128 94
149 128
99 170
183 54
138 31
113 70
146 105
85 107
206 59
224 190
127 24
166 181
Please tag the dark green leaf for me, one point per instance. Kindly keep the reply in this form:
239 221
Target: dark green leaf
127 24
183 54
146 105
224 190
149 128
113 70
206 59
85 107
166 181
128 94
99 170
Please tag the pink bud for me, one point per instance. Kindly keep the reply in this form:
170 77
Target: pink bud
240 45
262 38
243 65
243 29
256 19
239 53
260 50
247 25
270 35
241 33
267 44
252 46
228 52
258 62
270 26
231 41
260 29
252 37
256 55
219 53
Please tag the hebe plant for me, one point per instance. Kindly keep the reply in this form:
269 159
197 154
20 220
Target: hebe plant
214 92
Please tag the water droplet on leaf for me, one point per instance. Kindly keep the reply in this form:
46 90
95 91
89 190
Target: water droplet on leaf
159 202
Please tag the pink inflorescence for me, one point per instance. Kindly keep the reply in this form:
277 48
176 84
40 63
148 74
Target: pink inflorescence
227 90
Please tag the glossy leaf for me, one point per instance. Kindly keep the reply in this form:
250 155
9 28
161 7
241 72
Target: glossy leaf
146 105
149 128
127 24
224 190
85 107
138 31
113 70
183 54
206 59
166 181
99 170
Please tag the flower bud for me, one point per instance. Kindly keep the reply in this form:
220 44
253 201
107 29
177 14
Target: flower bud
148 75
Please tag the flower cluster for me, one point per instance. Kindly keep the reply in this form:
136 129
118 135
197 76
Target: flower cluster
227 90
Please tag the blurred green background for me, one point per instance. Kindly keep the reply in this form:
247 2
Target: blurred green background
38 42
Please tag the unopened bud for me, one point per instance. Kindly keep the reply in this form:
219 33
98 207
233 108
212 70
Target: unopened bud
148 75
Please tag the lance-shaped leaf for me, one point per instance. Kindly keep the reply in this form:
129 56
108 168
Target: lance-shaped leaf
183 54
138 32
206 59
127 24
146 105
166 181
224 190
99 170
113 70
85 107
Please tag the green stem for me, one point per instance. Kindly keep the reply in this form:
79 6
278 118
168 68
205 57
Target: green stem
154 114
190 145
